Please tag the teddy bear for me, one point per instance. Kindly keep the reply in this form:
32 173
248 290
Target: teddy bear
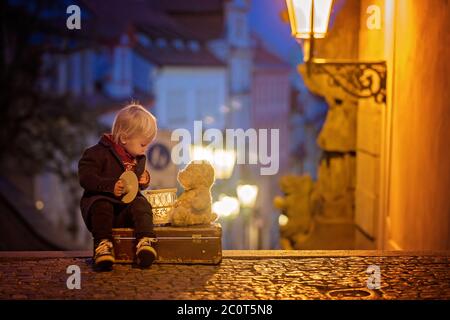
194 204
297 206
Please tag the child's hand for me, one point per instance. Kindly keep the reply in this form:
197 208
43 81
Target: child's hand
118 188
144 179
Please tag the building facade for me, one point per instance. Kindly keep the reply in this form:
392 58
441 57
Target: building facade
183 63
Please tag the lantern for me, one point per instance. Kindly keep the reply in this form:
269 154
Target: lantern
309 17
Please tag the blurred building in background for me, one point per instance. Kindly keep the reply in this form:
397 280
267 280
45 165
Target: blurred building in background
185 62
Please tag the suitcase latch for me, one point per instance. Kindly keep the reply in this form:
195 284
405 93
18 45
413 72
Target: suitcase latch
197 238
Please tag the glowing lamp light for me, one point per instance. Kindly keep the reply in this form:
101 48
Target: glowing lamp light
283 220
198 152
222 160
226 206
223 163
219 208
247 195
305 15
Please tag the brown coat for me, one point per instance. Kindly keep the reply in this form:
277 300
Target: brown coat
98 171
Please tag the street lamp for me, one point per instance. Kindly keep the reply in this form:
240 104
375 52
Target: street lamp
361 79
227 208
247 194
309 17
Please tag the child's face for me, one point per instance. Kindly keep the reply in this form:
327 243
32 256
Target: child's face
136 146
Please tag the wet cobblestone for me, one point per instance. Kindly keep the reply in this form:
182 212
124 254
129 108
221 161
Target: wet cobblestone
422 277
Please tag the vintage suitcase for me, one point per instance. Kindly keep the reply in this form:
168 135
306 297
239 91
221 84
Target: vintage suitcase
201 244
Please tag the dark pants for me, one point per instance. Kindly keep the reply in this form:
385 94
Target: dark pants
105 215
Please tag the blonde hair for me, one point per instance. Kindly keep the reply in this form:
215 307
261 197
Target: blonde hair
134 120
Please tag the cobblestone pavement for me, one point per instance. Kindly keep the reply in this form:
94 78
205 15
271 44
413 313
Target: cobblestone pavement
402 277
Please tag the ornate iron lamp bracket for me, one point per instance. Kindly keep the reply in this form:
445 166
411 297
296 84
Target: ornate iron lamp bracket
360 79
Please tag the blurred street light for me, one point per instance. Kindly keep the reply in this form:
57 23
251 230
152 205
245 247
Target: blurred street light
247 194
226 207
222 160
199 152
283 220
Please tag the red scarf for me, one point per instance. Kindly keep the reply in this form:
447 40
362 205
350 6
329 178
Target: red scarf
127 159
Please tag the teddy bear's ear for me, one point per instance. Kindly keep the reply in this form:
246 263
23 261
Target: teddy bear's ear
183 178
